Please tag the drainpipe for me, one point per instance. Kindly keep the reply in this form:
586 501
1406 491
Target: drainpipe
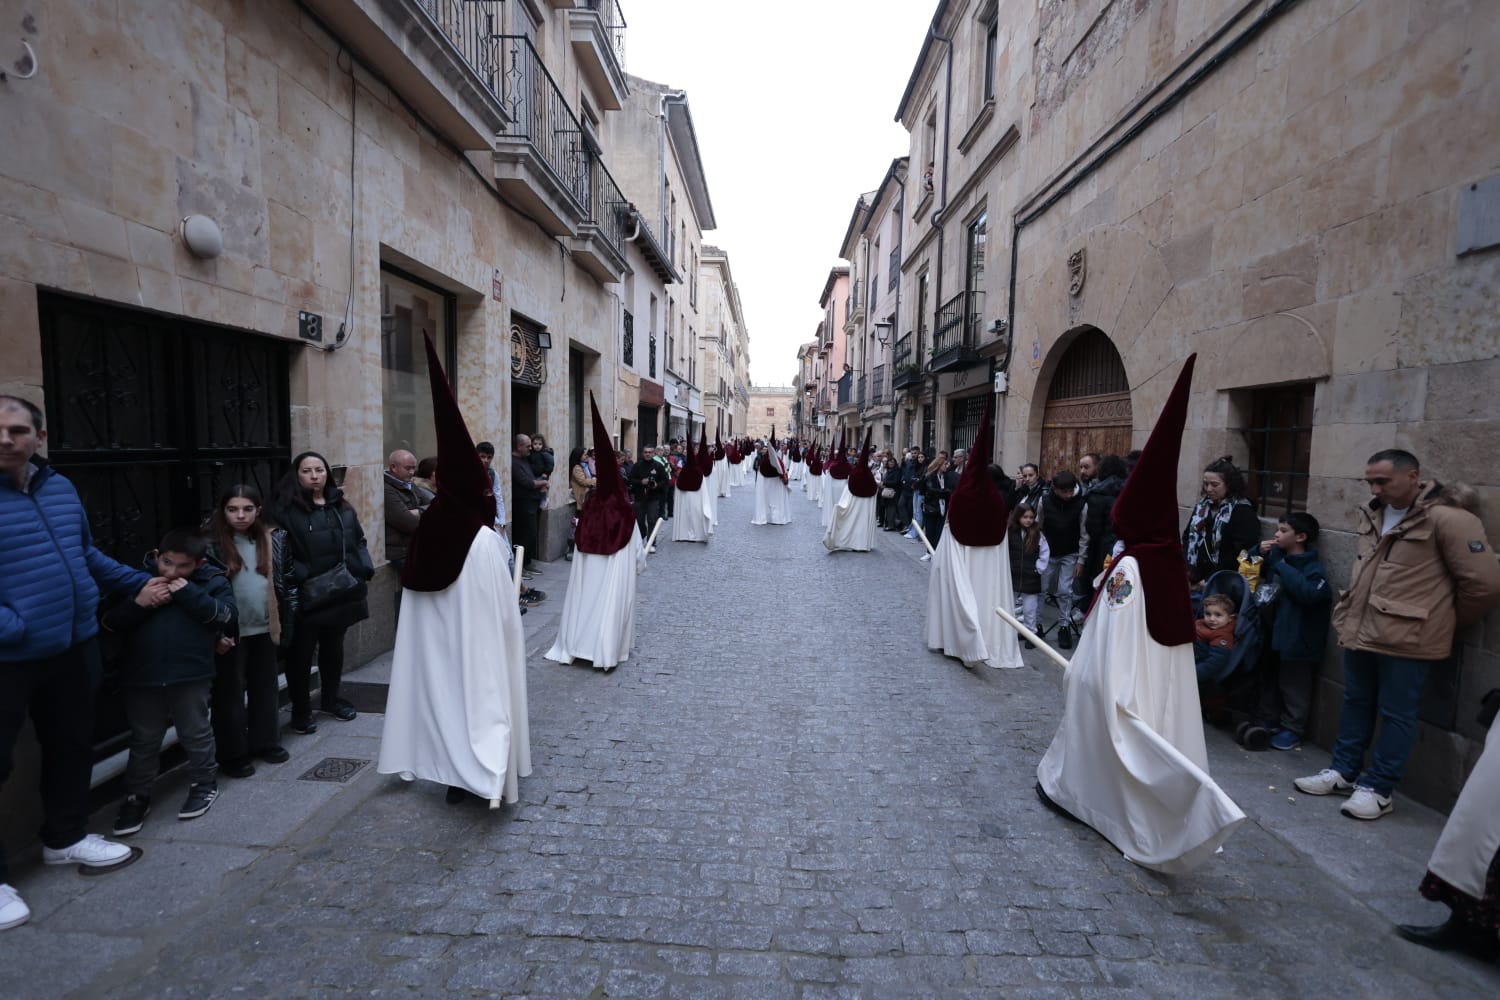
670 97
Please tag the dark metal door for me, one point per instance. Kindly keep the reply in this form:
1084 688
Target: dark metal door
151 417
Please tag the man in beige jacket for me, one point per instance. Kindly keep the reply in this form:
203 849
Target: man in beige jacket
1424 567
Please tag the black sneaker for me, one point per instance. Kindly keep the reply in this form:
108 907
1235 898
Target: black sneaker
304 726
531 597
342 710
132 815
1064 637
237 768
200 799
273 755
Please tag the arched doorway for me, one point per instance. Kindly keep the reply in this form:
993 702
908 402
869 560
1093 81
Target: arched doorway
1088 404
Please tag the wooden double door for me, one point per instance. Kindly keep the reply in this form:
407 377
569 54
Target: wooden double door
1088 405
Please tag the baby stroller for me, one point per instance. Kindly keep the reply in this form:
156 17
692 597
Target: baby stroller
1231 693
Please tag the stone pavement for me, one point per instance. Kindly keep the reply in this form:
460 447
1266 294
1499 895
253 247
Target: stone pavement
781 794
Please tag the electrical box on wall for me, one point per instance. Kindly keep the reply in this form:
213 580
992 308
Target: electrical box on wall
310 326
1001 382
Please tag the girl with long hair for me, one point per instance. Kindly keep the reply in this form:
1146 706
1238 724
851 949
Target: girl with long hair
254 554
1028 561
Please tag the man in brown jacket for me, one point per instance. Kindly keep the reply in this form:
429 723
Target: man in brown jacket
1424 568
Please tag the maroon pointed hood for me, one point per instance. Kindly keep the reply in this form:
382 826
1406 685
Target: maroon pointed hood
465 501
814 463
861 479
705 457
690 477
1145 519
732 452
719 452
976 510
839 467
606 522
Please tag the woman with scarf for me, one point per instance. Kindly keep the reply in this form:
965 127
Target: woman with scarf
1223 523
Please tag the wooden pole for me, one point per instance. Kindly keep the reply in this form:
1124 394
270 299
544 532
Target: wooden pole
923 535
1015 623
652 540
520 563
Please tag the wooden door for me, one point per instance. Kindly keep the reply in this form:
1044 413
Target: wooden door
1088 405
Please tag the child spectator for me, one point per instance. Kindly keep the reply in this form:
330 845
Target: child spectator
1300 628
172 631
1028 561
1215 638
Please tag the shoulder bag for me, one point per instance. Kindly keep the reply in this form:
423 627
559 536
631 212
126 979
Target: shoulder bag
331 585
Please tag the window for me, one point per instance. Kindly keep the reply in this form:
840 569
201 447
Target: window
923 281
770 411
651 344
409 308
976 252
1280 440
929 147
693 280
991 53
627 352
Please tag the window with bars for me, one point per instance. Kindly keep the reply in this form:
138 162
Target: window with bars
1280 441
628 348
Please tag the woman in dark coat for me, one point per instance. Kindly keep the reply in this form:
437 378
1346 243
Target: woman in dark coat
936 489
322 531
1223 523
885 502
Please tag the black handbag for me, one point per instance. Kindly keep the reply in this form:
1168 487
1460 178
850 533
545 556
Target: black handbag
331 585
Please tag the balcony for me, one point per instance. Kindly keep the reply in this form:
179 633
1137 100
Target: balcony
877 387
955 339
599 246
860 394
845 387
854 311
908 372
596 29
441 56
541 161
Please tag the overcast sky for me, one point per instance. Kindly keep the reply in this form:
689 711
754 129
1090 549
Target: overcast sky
794 105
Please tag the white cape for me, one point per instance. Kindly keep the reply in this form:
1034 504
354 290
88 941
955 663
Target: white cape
1471 836
690 518
1129 758
853 526
598 614
967 583
773 501
456 710
833 495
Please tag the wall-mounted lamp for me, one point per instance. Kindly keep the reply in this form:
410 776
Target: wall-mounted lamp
201 236
544 340
883 331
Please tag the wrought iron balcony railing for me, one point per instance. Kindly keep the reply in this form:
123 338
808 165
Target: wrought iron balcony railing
860 395
473 27
877 386
539 113
608 207
614 25
846 386
955 339
908 370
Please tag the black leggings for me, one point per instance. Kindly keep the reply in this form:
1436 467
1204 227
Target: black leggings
329 640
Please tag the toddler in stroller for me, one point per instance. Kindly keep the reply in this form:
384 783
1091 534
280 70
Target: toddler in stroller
1227 682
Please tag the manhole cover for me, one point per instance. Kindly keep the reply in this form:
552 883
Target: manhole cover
334 769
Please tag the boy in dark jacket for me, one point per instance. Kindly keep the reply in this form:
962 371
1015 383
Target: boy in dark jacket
172 631
1300 628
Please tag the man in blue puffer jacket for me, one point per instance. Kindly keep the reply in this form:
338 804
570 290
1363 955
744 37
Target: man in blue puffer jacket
49 655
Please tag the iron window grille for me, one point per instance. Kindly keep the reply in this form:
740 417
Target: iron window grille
1280 442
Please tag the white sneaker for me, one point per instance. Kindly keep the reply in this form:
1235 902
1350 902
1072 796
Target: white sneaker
1366 803
93 851
13 909
927 557
1325 782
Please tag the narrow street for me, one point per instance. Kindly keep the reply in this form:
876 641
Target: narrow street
776 796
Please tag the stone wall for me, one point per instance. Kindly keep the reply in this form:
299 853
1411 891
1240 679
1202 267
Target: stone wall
1291 218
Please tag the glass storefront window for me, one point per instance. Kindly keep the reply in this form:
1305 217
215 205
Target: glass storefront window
407 309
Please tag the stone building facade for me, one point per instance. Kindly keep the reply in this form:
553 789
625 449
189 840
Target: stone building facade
872 246
1303 192
835 387
231 224
770 408
724 347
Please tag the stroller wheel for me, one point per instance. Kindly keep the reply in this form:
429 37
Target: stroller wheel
1256 737
1239 731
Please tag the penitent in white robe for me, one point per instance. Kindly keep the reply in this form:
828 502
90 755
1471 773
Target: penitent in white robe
1471 837
833 495
456 711
852 527
773 501
690 520
598 614
794 471
967 583
1129 758
721 476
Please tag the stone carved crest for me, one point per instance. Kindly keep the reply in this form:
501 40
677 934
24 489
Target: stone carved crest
1077 271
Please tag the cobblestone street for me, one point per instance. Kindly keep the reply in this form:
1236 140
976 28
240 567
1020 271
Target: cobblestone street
774 797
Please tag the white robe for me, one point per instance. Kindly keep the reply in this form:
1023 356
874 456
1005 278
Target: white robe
1129 758
833 495
711 498
852 528
721 477
598 613
827 489
456 710
690 520
967 583
794 471
1471 836
773 501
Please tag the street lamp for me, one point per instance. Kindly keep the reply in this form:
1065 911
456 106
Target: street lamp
883 331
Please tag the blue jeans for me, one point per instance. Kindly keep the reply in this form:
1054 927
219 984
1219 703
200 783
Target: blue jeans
1387 686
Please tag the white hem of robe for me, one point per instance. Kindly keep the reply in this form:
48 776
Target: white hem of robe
690 521
721 477
773 501
965 586
853 526
456 711
1470 838
1129 756
836 488
598 614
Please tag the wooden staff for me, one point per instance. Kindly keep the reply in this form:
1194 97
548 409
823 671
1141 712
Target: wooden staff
520 562
1015 623
923 535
